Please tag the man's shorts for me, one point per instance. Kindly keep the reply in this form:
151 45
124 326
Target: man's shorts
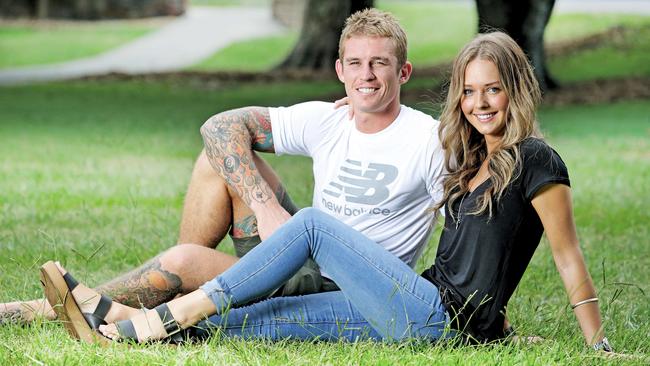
307 280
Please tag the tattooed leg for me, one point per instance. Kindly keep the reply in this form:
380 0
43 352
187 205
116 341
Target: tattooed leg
211 207
147 285
21 312
207 209
179 270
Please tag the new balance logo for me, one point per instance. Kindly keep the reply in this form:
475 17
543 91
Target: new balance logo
365 186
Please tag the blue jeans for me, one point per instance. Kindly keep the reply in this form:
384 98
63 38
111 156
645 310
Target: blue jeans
381 297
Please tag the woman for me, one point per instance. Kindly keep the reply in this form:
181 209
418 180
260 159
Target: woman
505 186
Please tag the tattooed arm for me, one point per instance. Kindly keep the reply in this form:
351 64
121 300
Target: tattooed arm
230 138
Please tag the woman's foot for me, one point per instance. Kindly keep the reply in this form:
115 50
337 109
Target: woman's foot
164 320
147 326
87 300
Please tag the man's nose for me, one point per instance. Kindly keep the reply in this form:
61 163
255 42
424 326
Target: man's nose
367 72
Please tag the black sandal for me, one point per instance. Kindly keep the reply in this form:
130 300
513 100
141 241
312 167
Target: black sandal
58 290
96 318
174 332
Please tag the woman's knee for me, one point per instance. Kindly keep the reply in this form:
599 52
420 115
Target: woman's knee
310 214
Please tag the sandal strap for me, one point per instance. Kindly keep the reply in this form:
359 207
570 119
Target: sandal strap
103 306
94 321
174 331
170 324
126 330
98 317
70 281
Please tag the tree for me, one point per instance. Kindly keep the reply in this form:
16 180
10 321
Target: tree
317 47
524 21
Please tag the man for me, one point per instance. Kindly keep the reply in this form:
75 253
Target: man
377 173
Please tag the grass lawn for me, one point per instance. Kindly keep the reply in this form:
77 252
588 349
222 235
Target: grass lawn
35 43
94 173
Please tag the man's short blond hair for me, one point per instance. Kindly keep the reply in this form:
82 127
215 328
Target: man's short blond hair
375 23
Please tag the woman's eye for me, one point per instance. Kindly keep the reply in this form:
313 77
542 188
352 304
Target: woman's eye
493 90
467 91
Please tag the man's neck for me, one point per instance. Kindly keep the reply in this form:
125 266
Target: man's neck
376 121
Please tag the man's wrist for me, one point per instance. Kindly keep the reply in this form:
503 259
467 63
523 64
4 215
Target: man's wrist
270 206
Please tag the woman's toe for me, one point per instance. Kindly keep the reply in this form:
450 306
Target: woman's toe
109 330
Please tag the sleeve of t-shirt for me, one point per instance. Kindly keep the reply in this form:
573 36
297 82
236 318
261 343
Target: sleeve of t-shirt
435 168
296 129
541 166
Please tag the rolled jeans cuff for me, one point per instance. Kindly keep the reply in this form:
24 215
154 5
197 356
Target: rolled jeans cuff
219 293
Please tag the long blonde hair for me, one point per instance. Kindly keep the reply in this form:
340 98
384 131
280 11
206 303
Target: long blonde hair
465 148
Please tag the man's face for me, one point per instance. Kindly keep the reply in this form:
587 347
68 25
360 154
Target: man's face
371 74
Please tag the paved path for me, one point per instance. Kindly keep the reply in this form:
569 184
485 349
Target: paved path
182 43
204 30
638 7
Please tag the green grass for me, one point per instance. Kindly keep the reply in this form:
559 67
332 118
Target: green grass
90 166
55 41
625 55
94 173
259 55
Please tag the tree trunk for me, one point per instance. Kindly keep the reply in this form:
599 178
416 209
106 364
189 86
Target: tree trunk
317 46
42 9
524 21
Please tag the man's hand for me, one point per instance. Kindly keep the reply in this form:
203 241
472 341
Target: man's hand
270 217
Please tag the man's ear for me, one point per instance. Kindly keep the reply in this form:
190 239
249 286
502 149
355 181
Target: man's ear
405 72
339 69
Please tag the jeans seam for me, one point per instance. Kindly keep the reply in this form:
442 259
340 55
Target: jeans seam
289 243
344 242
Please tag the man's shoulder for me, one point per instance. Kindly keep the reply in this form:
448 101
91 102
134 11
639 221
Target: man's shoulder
418 117
417 125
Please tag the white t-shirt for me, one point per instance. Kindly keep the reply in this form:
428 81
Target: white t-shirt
381 184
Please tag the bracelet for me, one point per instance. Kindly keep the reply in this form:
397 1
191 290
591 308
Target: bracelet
593 299
603 345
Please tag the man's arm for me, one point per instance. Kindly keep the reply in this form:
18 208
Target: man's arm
230 138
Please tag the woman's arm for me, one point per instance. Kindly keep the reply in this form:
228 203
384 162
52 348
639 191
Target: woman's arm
553 205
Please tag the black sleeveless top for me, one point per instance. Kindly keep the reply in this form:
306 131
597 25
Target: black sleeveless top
480 263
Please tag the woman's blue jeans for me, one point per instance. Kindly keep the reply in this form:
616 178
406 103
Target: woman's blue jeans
381 297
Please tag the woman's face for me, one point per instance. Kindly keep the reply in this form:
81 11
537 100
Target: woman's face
484 102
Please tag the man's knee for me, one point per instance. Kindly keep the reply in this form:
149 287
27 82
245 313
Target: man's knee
179 258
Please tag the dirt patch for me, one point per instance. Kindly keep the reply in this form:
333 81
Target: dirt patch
600 91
